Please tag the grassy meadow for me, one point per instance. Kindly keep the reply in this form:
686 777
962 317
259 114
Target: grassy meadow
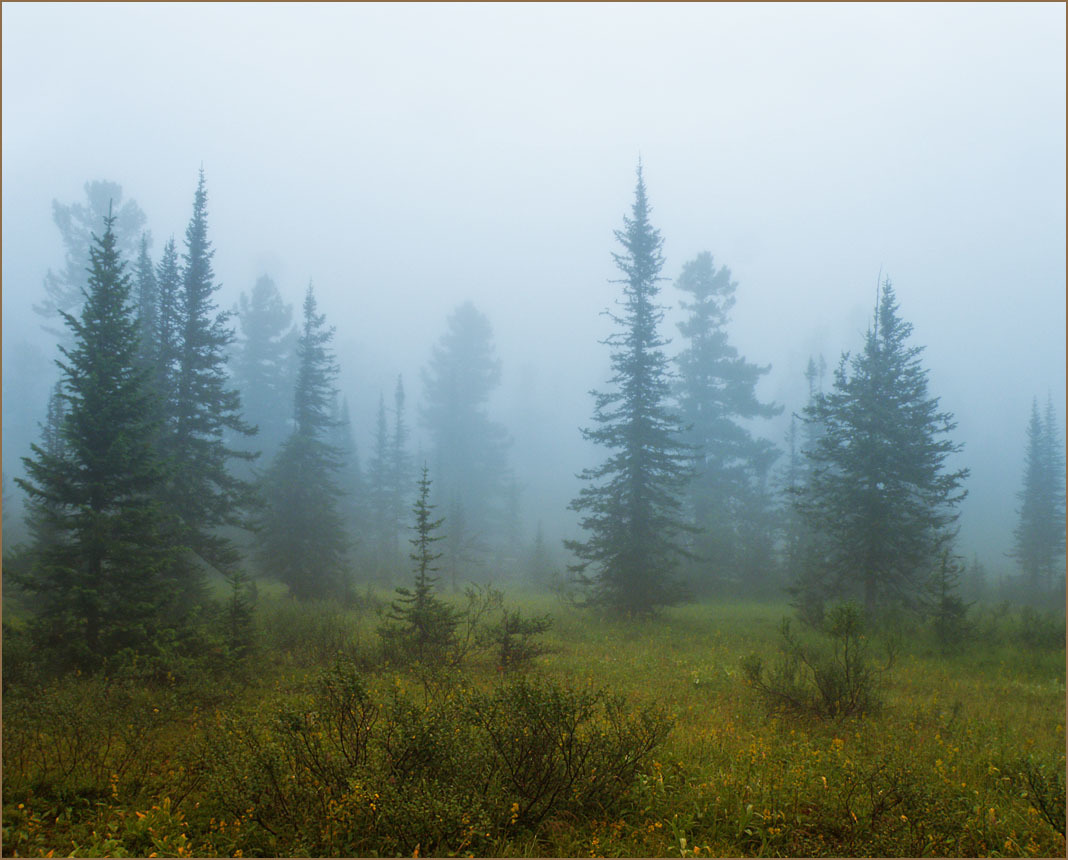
643 739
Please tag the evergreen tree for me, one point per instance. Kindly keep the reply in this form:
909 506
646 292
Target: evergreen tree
65 289
423 626
167 350
303 538
716 391
1039 534
264 362
469 448
104 549
810 582
879 496
631 508
353 502
205 494
380 496
147 291
400 465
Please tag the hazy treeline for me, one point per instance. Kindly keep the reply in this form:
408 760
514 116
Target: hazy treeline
227 448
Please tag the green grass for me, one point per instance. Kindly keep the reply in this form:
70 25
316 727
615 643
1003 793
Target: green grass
92 768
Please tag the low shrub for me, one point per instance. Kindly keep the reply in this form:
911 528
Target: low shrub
352 769
831 678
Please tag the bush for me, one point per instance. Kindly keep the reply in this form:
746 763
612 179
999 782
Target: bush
1045 787
351 769
833 679
562 750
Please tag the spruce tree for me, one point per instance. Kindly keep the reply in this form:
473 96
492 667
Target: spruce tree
264 362
205 494
879 495
631 508
423 627
147 291
380 496
104 549
303 537
399 468
168 328
1039 534
469 447
716 392
76 222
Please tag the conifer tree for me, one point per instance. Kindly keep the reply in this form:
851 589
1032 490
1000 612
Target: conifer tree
147 292
879 495
65 290
399 468
379 495
205 494
469 447
167 349
265 362
303 538
104 552
1039 534
631 508
353 502
423 626
716 392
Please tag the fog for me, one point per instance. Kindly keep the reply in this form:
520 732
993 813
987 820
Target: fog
406 159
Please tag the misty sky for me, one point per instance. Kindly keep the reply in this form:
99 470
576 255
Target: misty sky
408 158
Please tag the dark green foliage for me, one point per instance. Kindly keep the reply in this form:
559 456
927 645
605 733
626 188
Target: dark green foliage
631 508
878 496
423 628
728 498
1039 535
835 678
512 639
469 449
77 222
105 550
265 362
204 493
303 536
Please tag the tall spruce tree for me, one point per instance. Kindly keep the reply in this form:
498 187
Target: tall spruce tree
303 538
631 508
379 495
1039 534
469 447
168 328
716 392
265 362
104 552
879 495
399 467
205 494
147 292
